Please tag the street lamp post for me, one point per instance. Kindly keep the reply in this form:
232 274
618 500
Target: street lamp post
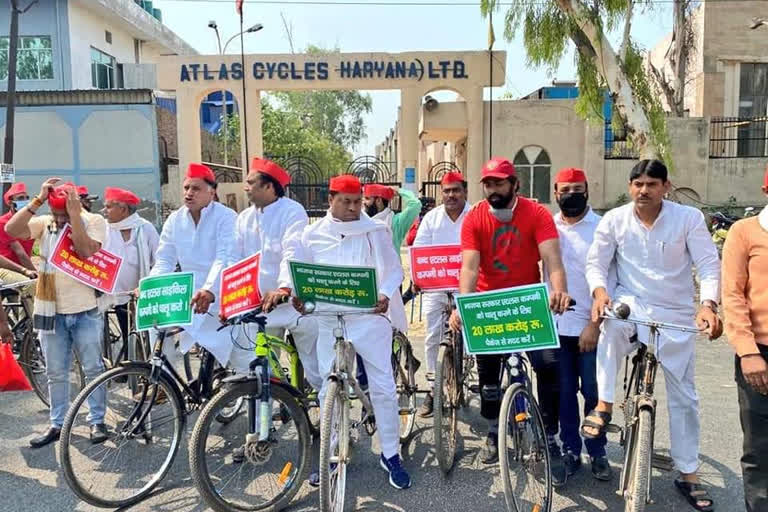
212 25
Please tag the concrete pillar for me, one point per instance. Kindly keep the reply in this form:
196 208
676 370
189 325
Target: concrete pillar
188 128
475 143
410 107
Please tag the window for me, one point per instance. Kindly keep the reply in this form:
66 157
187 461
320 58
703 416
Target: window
753 103
108 36
34 58
532 165
102 70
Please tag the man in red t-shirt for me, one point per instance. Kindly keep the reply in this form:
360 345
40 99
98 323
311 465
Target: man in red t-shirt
15 261
503 238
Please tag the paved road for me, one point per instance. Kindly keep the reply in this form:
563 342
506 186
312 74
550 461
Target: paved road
31 481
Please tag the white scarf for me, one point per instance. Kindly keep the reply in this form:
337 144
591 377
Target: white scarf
135 222
385 216
763 218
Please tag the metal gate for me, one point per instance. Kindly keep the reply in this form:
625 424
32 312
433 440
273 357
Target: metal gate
431 187
370 169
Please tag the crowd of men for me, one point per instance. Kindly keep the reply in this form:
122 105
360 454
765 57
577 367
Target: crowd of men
642 254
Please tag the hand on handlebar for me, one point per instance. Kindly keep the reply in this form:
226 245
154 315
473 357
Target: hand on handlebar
274 298
708 321
298 305
559 302
382 305
601 301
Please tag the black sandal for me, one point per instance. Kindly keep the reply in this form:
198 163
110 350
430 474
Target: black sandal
605 416
694 494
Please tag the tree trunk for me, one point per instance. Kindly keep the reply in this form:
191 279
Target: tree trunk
609 65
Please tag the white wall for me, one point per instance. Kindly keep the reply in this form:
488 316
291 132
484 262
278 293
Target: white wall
86 30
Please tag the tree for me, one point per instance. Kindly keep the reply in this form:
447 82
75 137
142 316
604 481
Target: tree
548 25
338 114
677 58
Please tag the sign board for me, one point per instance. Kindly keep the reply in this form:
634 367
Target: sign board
435 267
509 320
343 286
164 300
7 173
240 287
98 271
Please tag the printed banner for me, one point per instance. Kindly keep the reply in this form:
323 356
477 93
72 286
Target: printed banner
436 267
509 320
98 271
164 300
240 287
344 286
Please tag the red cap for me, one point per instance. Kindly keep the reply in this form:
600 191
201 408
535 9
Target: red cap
57 198
82 190
201 171
16 189
376 190
452 177
765 178
346 184
571 175
498 168
270 168
120 195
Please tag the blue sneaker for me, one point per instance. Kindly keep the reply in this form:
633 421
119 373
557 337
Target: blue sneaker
314 476
398 476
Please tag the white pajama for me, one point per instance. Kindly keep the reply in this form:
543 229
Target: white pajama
275 231
369 244
434 304
654 268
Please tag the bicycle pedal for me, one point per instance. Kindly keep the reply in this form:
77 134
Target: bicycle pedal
475 388
406 411
613 428
662 462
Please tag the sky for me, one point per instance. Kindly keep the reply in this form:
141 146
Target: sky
381 28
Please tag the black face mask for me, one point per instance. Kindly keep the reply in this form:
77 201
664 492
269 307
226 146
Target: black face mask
573 204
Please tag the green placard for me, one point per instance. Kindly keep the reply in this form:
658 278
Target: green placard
164 300
509 320
343 286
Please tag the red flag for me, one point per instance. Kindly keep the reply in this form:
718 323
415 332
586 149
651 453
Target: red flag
239 7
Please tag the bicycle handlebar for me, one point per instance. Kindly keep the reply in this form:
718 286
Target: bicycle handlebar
19 284
621 312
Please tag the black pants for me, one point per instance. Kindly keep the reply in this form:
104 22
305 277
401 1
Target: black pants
121 311
753 409
546 364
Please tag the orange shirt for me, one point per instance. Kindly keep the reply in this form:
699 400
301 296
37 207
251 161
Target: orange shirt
745 286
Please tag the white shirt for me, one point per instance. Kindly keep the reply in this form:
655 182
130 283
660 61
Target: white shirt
275 230
204 249
575 240
130 271
655 264
437 228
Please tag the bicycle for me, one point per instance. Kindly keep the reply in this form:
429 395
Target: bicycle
147 403
451 386
523 446
639 408
246 451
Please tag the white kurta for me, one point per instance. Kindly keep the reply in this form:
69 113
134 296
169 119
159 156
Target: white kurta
654 267
276 231
133 267
437 228
203 249
360 243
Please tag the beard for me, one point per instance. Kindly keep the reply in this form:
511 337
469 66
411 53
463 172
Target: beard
499 201
371 210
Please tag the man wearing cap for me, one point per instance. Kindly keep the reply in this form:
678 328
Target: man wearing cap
576 224
200 237
86 199
345 237
503 238
15 254
135 240
441 226
377 201
68 314
745 307
654 245
273 225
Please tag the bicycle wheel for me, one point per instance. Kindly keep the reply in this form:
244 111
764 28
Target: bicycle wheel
334 449
227 412
523 453
264 476
405 382
137 455
445 410
32 361
636 495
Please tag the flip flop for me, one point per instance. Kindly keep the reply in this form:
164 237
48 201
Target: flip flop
694 494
